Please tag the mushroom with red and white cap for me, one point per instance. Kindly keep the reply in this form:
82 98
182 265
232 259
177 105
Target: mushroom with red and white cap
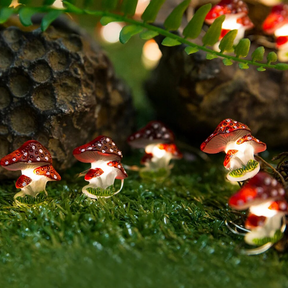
158 142
32 158
265 198
235 139
277 23
105 159
236 18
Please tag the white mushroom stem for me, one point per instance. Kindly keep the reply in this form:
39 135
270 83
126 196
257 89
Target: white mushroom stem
37 185
160 159
272 223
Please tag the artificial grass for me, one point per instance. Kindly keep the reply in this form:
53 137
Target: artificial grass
152 234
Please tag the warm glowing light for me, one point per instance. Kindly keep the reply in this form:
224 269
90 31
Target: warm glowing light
58 4
262 210
141 6
230 23
282 31
151 54
270 2
14 3
110 33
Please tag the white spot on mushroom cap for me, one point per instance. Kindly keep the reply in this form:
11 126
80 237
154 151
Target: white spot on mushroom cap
137 135
119 152
29 161
267 181
47 173
33 147
38 159
82 150
103 151
274 192
90 148
40 150
283 206
240 202
46 158
25 153
274 182
113 143
281 191
107 139
99 144
264 196
24 184
6 162
111 150
55 177
249 198
14 159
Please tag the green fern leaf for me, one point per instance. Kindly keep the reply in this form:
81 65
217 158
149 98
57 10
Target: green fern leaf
25 2
272 57
261 69
281 66
87 3
150 13
242 49
48 2
146 35
191 50
170 42
109 4
212 35
5 13
227 62
210 56
128 31
72 8
25 15
227 41
107 19
128 7
49 18
243 65
258 54
194 27
5 3
173 21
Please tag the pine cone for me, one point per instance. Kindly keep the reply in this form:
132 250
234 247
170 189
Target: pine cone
59 88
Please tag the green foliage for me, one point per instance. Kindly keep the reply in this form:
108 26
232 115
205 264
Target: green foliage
128 31
194 27
173 21
212 35
5 3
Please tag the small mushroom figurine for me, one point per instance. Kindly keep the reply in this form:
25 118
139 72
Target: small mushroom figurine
235 139
265 198
158 142
277 23
236 18
105 159
35 163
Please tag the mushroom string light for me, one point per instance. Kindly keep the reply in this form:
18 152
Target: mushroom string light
158 142
235 139
265 198
277 23
236 18
34 161
105 159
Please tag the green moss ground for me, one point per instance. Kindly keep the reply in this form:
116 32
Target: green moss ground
168 234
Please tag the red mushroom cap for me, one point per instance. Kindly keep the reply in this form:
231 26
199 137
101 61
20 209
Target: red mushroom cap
121 173
279 205
171 148
30 154
246 22
92 173
153 133
227 130
47 171
101 148
254 221
23 181
259 189
257 144
226 7
228 158
146 158
281 40
277 18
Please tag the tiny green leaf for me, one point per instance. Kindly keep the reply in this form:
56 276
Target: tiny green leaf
227 41
243 65
281 66
107 19
5 13
5 3
71 8
272 57
210 56
190 50
213 33
48 2
128 7
173 21
194 27
150 13
49 18
146 35
170 42
242 49
261 69
25 15
258 54
109 4
227 62
128 31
